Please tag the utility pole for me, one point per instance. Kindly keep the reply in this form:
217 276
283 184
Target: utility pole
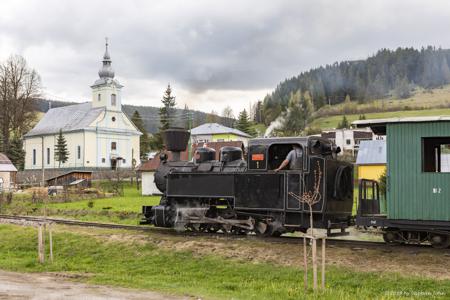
189 142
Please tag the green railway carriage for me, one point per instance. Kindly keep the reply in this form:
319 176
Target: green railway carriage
417 198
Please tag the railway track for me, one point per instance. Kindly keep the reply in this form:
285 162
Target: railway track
356 244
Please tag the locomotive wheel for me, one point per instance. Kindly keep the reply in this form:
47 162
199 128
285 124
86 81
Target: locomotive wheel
213 228
261 228
440 241
276 233
193 227
389 237
203 227
226 228
238 231
274 229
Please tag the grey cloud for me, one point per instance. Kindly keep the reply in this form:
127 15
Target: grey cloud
222 45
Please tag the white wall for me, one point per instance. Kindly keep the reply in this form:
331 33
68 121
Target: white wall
105 92
127 147
94 147
74 140
201 137
5 181
148 186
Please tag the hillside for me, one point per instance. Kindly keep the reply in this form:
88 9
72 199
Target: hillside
387 74
422 102
332 122
149 114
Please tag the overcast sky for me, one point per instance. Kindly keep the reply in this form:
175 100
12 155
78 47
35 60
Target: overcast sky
214 53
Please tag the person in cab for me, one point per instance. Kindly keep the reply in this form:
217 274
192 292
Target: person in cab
294 159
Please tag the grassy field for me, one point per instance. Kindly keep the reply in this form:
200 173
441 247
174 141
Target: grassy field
124 210
260 128
131 201
332 122
422 102
145 266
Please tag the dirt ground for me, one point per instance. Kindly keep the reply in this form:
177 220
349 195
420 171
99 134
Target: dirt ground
404 260
50 286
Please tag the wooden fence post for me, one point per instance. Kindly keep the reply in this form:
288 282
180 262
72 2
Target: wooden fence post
305 263
41 248
314 260
323 262
50 240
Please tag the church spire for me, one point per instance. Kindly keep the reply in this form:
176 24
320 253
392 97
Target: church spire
106 71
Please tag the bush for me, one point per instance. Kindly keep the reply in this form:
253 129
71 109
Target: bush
312 130
90 204
382 183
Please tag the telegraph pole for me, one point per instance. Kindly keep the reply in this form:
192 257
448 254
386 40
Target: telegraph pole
189 142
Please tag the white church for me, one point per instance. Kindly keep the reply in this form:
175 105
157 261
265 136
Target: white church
98 134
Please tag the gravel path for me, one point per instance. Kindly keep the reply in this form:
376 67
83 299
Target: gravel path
50 287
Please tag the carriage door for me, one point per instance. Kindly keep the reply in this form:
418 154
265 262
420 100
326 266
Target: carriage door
293 186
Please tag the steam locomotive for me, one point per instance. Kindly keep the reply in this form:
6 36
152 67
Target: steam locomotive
240 196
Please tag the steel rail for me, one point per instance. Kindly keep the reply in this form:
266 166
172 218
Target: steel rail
276 240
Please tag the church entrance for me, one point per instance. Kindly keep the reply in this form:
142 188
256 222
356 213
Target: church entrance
113 164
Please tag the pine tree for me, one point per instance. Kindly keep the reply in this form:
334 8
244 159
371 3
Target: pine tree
167 118
402 89
243 124
344 123
167 112
16 153
144 140
295 119
308 106
187 116
259 117
61 152
156 142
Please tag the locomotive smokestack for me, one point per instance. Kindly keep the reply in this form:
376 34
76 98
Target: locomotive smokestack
176 140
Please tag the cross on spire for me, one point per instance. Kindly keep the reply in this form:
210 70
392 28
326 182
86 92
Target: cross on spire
106 71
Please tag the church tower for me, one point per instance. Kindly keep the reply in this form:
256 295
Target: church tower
106 91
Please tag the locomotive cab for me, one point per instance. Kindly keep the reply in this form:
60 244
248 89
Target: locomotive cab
278 193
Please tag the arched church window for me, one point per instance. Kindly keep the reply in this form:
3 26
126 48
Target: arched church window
113 100
99 97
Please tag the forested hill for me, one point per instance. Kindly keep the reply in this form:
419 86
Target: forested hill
388 72
149 115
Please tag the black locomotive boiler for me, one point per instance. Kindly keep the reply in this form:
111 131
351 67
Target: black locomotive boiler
237 195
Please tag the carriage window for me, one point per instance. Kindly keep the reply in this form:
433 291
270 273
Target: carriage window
436 155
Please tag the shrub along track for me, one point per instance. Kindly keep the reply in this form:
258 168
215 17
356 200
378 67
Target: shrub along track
356 244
